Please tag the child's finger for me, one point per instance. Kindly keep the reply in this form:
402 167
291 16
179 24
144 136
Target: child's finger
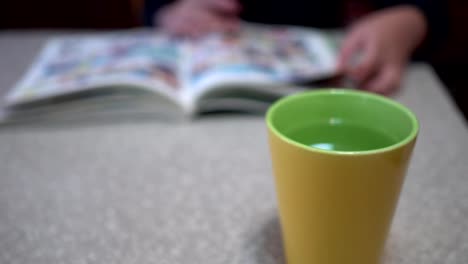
232 7
231 25
173 27
176 20
351 46
213 22
386 81
187 26
366 62
209 22
228 7
195 21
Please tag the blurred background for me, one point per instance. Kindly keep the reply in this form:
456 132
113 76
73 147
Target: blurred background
451 63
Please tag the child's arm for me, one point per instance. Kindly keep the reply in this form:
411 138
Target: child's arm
377 48
385 40
197 17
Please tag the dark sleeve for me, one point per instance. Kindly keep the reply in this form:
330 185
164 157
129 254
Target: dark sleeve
436 14
150 8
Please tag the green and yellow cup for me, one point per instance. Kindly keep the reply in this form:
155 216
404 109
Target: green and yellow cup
339 159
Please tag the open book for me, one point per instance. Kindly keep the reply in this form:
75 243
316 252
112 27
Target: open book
150 72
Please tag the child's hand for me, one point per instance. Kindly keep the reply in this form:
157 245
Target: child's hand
377 48
196 17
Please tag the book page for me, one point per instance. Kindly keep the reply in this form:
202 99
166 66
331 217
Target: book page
260 55
73 64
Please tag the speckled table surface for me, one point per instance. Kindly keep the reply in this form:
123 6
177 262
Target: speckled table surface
199 192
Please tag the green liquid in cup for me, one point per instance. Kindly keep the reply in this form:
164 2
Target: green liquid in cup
341 137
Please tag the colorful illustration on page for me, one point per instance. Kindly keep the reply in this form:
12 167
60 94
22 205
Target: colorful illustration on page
279 54
84 62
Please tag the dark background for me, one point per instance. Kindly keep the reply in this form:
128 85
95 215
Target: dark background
451 63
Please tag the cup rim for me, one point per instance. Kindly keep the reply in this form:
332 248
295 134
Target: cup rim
327 91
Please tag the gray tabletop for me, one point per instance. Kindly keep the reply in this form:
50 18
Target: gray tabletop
199 192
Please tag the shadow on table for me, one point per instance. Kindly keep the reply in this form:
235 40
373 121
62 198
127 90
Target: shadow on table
268 243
